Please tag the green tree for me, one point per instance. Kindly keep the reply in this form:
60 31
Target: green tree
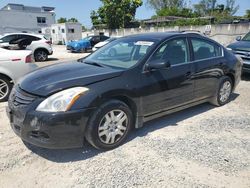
72 20
62 20
205 7
84 28
231 7
115 13
247 14
165 4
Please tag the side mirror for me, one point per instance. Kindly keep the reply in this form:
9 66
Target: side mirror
159 64
238 38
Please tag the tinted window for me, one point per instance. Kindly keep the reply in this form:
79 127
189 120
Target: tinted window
174 52
9 38
246 37
103 38
205 49
32 38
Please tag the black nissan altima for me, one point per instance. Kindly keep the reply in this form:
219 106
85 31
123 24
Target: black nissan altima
102 97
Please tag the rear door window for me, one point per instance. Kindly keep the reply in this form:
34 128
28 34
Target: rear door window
205 49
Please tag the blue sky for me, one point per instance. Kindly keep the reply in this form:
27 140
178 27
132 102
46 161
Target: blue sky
81 9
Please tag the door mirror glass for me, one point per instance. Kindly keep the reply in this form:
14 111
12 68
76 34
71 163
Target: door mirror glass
238 38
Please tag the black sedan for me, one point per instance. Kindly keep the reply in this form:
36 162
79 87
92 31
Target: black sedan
134 79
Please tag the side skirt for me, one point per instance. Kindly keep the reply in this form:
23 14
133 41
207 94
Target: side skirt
170 111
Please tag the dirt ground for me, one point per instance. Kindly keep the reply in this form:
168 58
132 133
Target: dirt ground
202 146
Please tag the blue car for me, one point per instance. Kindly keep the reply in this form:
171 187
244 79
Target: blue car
85 44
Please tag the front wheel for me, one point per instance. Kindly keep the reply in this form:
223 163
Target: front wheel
5 88
110 125
224 92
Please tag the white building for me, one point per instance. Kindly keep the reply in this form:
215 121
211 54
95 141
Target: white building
20 18
65 32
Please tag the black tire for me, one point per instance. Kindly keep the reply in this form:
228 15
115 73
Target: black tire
217 100
93 128
5 88
41 55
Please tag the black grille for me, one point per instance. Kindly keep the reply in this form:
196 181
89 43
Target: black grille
246 66
243 54
19 98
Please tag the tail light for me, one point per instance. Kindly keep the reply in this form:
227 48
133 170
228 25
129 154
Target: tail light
29 59
48 42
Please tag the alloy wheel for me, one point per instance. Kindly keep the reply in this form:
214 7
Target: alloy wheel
4 89
113 126
41 56
225 91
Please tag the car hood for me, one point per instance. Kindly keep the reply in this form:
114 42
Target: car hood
240 45
54 78
100 44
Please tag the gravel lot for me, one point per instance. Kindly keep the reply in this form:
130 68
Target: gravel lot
202 146
60 54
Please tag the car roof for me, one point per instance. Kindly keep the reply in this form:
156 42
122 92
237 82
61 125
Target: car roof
159 36
31 34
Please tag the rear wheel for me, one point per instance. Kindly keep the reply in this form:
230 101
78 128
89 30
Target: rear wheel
41 55
110 125
224 92
5 88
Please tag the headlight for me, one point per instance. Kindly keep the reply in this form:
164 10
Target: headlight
61 101
229 49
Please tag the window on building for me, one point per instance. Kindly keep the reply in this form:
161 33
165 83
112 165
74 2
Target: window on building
41 20
71 30
53 31
63 31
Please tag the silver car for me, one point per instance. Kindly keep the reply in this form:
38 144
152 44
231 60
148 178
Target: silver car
13 65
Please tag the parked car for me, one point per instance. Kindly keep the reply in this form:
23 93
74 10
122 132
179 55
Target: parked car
104 96
103 43
13 65
242 48
40 46
85 44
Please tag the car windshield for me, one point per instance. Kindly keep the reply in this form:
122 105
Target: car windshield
246 37
123 53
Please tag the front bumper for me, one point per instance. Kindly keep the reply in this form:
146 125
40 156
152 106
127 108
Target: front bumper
49 130
72 49
246 66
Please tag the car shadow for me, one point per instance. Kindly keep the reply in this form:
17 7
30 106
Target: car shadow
71 155
245 76
52 59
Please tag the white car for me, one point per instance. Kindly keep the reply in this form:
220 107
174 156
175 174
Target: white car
13 65
103 43
40 46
